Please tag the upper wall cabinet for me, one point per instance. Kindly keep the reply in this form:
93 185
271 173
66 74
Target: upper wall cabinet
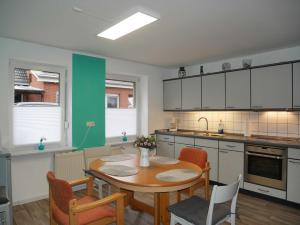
238 90
172 95
191 93
296 85
213 91
271 87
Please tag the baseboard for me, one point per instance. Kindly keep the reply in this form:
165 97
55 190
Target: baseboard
30 200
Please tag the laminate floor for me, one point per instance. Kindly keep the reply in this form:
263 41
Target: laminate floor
251 211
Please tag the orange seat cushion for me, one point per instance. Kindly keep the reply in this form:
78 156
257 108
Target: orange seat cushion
194 155
86 217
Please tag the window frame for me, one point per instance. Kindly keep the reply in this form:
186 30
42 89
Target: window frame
112 95
14 63
136 80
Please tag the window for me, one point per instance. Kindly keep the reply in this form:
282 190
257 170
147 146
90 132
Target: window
121 113
38 103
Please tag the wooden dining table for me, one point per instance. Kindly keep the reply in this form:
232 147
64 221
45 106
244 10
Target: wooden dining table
145 180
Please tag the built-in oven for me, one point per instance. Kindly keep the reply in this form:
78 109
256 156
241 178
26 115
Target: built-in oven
266 166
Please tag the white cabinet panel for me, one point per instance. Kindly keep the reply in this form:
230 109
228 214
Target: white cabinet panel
184 140
229 145
293 181
296 85
271 87
165 149
178 148
265 190
191 93
238 90
231 164
172 95
212 155
213 91
202 142
166 138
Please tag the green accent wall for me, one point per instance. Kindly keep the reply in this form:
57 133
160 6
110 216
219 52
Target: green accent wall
88 100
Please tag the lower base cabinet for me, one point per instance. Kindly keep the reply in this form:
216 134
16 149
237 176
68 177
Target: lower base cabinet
212 157
231 164
165 149
293 181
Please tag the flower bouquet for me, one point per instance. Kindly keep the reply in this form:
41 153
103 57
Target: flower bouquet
145 144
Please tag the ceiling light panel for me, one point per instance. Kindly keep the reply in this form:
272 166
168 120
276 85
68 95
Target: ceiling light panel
127 25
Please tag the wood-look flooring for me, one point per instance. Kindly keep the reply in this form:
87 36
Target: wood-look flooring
251 211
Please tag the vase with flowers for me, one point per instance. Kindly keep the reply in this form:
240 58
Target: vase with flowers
146 144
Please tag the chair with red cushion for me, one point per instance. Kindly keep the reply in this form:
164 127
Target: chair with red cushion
65 209
199 157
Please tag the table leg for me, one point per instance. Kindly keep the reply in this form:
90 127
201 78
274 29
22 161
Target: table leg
156 208
164 204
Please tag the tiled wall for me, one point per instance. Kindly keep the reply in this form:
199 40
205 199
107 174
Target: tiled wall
284 124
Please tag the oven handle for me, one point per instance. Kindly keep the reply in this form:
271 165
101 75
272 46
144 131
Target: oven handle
263 155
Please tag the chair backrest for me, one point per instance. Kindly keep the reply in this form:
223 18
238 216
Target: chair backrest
222 194
194 155
95 153
61 192
69 165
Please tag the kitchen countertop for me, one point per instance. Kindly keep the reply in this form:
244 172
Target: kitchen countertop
257 140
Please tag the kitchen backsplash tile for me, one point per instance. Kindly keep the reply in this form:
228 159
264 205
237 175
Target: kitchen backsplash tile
286 124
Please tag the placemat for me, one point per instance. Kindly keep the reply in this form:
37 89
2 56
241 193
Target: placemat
176 175
116 158
118 170
164 160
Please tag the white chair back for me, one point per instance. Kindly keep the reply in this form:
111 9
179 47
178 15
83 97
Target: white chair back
222 194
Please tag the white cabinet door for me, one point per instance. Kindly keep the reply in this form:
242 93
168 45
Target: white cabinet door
293 181
213 91
296 85
165 149
191 93
172 95
231 164
178 148
271 87
212 155
238 90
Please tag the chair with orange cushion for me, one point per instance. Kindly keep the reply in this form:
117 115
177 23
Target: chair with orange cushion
199 157
65 209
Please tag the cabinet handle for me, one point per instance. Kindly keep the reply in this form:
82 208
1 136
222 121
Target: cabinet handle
224 152
197 108
171 144
262 190
294 162
177 108
205 107
230 107
256 106
231 146
297 106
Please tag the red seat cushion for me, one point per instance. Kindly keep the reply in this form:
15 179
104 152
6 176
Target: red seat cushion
86 217
194 155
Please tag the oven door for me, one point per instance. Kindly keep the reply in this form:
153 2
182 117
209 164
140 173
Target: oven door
265 169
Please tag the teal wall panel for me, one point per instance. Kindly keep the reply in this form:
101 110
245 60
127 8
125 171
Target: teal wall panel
88 100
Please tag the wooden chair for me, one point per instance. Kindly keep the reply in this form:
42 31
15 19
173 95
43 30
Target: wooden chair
197 211
65 209
198 157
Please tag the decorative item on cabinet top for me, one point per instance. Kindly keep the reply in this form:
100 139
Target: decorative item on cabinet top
181 72
226 66
247 63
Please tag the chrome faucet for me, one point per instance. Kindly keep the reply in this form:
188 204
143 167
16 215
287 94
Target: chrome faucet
205 120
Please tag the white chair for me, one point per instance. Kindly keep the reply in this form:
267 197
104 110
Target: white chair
96 153
4 207
197 211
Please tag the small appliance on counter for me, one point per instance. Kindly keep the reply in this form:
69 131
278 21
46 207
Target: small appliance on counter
173 125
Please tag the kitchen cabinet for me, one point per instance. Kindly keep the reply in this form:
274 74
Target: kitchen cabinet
172 94
191 93
296 85
182 142
213 91
231 161
271 87
265 190
293 181
238 89
165 149
211 147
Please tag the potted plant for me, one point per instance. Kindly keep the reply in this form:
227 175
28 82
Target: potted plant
145 144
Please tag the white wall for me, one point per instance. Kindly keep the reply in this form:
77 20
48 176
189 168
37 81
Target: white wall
286 54
28 172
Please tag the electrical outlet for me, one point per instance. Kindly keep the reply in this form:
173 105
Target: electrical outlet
90 123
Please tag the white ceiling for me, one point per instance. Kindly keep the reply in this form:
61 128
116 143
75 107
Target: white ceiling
189 31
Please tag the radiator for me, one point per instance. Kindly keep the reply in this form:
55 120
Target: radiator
69 166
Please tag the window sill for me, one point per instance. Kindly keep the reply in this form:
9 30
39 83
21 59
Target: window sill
16 153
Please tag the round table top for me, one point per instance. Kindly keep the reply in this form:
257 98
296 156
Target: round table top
145 180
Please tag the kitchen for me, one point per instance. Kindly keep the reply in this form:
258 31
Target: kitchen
218 76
